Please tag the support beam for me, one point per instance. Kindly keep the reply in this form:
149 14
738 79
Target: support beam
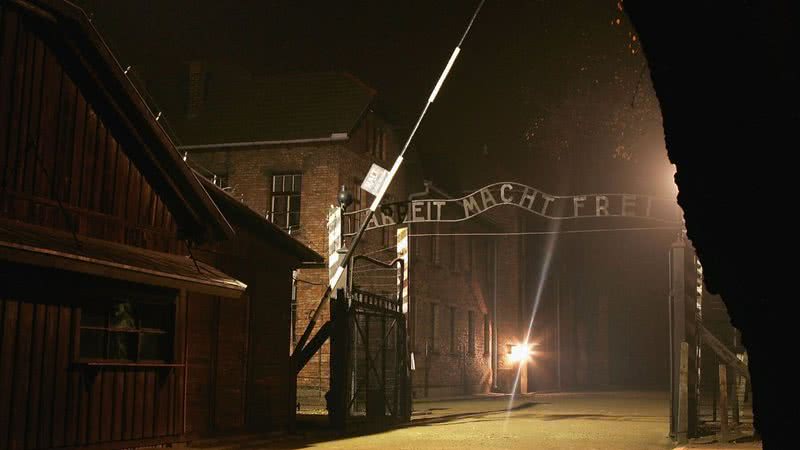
313 346
722 351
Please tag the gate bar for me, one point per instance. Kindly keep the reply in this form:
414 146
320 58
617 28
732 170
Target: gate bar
378 198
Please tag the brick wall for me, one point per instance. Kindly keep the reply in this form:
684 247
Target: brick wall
325 168
459 278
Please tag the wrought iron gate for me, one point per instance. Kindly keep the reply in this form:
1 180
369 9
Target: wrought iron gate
369 350
378 366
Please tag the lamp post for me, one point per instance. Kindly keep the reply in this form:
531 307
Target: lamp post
345 199
341 382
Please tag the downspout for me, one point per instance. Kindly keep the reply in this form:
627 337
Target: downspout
494 316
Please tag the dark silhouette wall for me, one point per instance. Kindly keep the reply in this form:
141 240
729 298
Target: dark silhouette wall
727 83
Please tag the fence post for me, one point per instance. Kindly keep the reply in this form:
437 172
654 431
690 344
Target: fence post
682 432
723 402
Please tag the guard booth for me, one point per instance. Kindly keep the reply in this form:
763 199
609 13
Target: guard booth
708 372
370 379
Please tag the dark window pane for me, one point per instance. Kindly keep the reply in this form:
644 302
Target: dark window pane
279 203
122 346
298 181
294 219
294 203
154 316
156 347
122 316
279 219
93 316
93 343
282 185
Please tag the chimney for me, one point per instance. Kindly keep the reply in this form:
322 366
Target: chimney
198 77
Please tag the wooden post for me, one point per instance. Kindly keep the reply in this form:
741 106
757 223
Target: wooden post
682 431
714 400
734 388
723 402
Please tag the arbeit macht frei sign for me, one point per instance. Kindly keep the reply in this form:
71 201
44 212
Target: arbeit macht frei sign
559 207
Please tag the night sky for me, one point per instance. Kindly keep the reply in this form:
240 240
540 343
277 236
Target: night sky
551 93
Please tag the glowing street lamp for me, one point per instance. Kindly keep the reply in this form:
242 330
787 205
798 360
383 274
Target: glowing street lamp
519 353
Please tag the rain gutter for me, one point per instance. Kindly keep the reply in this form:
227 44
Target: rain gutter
334 137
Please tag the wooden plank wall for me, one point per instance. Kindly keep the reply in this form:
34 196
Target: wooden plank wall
46 401
271 377
231 363
217 355
201 329
268 379
54 148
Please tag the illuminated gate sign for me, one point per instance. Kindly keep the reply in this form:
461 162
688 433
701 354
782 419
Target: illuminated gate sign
558 207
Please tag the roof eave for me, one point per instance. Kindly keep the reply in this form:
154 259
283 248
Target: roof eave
334 137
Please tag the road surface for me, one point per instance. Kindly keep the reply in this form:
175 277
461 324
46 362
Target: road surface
607 420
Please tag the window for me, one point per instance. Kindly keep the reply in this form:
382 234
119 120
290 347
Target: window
471 332
124 330
489 264
219 179
486 336
358 195
435 253
285 211
453 255
433 325
452 329
377 143
468 263
386 238
384 145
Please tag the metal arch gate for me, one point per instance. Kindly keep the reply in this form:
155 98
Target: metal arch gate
370 375
378 364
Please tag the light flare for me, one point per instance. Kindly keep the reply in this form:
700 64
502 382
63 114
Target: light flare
548 258
520 353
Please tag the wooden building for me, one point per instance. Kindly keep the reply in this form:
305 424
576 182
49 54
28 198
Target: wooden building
113 332
249 359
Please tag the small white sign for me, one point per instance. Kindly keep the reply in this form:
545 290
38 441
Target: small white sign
334 240
375 179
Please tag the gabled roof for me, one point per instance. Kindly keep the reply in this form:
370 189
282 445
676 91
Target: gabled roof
82 51
241 215
239 108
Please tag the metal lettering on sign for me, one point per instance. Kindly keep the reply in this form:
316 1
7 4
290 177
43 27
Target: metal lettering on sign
375 179
511 194
334 240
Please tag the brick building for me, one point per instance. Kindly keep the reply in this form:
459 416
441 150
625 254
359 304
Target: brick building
457 283
284 145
